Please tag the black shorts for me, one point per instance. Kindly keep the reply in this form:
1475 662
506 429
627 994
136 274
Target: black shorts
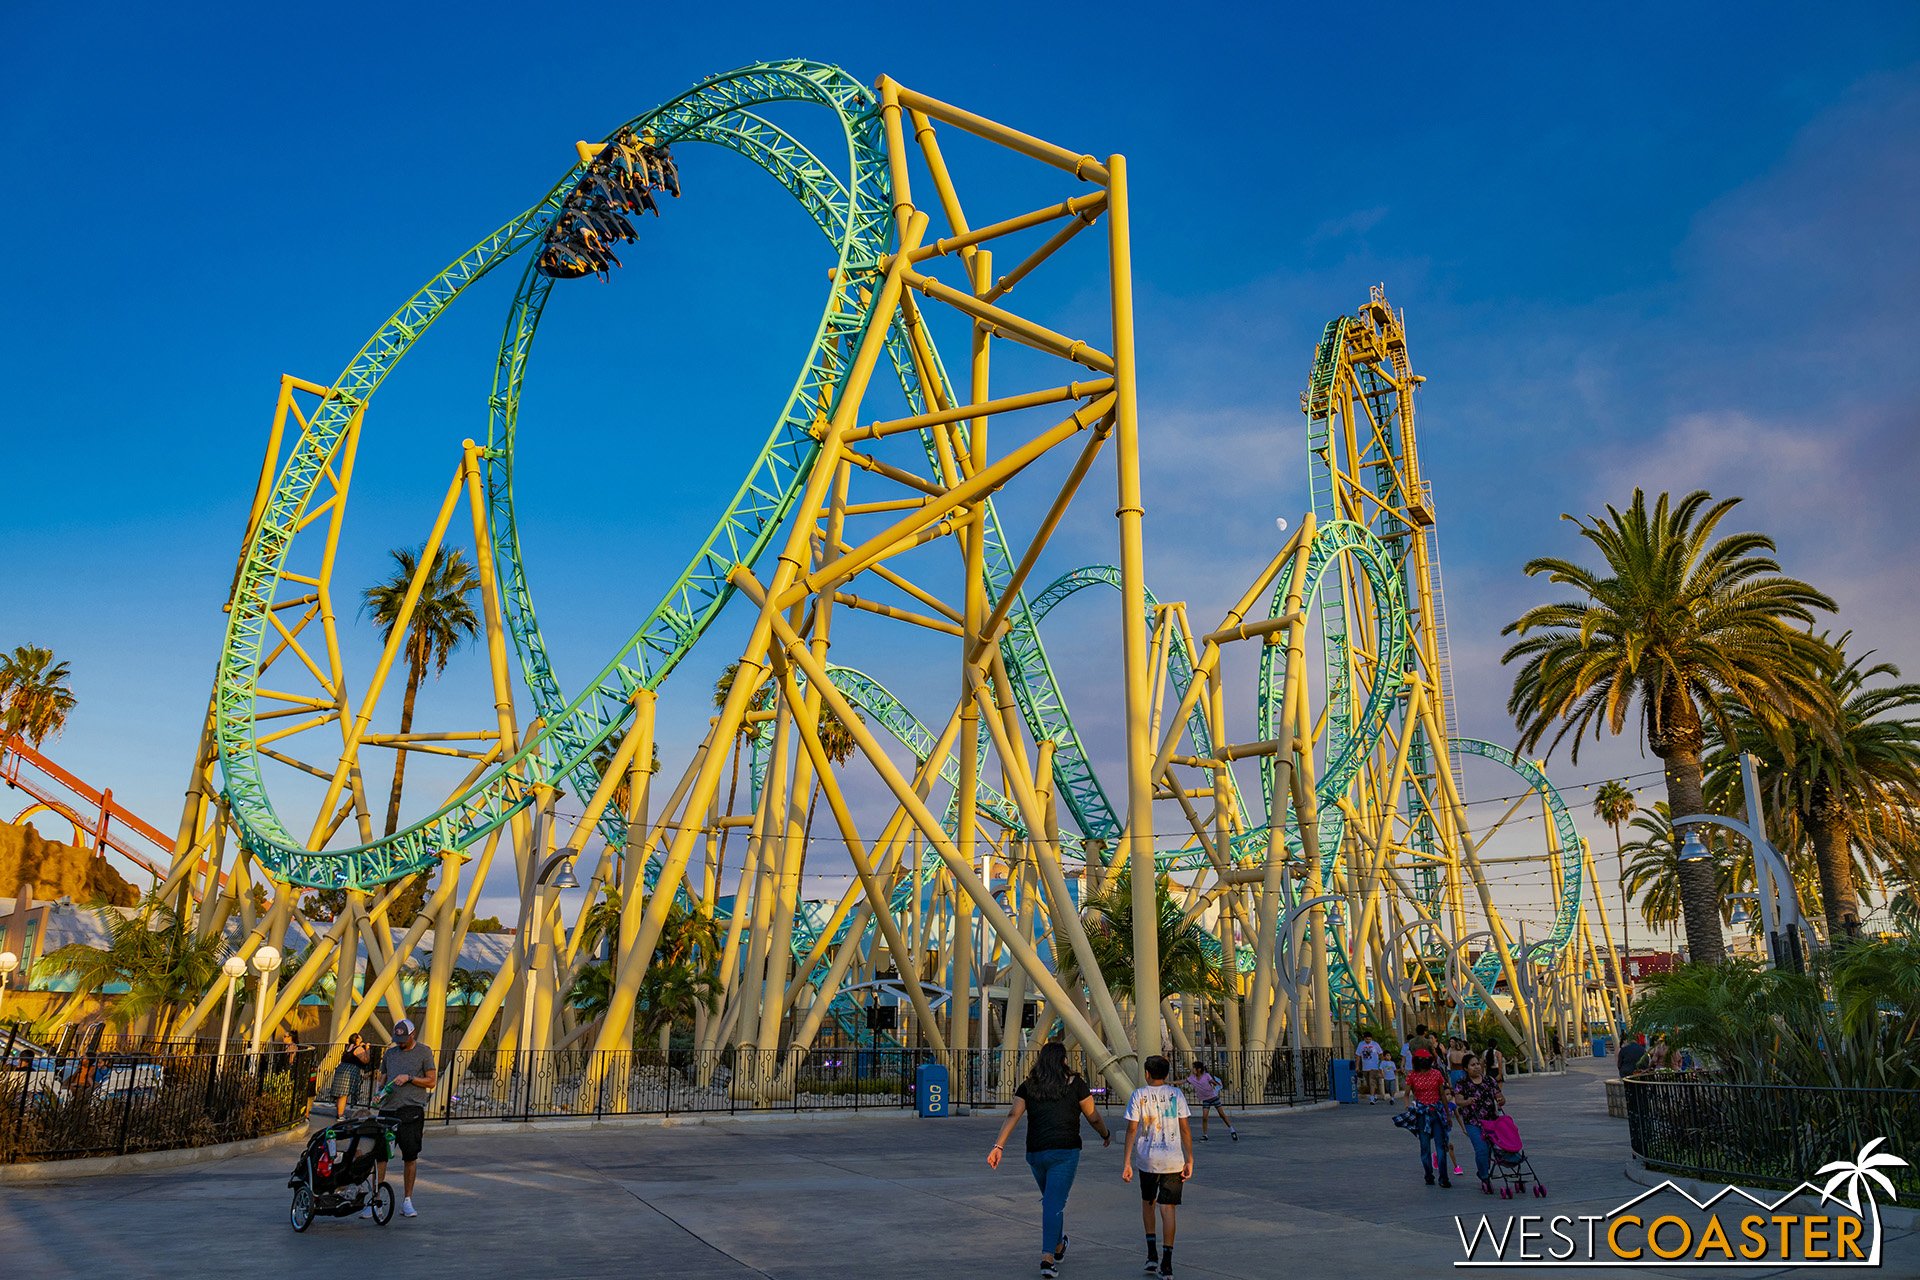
411 1130
1161 1187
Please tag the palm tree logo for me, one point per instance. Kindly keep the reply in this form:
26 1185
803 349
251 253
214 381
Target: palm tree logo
1861 1175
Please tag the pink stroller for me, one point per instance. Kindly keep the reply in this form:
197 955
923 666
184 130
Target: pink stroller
1510 1163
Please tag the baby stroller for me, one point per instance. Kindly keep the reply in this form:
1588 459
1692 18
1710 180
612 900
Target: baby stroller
335 1174
1510 1163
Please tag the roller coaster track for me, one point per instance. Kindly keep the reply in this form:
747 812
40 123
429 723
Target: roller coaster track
857 217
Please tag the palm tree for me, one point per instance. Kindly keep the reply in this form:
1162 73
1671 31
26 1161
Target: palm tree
683 975
1678 623
1613 805
1189 955
1845 781
34 698
443 619
154 952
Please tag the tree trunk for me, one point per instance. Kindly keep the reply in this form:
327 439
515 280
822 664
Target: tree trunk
1676 738
416 671
1832 833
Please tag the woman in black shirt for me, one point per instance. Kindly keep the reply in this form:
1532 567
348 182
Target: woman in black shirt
1053 1098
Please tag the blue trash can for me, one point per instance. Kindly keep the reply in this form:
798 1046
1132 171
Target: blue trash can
1602 1046
931 1094
1344 1088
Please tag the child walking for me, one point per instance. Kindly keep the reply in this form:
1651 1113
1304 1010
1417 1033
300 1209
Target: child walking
1206 1095
1160 1141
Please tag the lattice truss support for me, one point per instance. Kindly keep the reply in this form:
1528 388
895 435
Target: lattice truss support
1339 898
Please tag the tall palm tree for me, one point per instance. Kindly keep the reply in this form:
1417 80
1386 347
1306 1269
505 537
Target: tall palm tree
1679 625
1846 780
443 619
154 951
34 698
1613 805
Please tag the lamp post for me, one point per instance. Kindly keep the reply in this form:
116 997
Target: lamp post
1780 916
8 963
265 961
235 968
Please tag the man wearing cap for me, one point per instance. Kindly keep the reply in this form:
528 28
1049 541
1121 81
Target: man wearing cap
409 1071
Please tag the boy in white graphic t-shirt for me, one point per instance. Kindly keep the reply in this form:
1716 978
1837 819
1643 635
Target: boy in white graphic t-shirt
1160 1142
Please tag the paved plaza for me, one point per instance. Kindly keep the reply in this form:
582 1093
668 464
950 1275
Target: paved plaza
1333 1194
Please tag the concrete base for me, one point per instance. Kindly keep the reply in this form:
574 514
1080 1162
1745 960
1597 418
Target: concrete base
145 1161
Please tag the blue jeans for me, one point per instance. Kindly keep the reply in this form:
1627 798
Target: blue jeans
1482 1152
1433 1142
1053 1171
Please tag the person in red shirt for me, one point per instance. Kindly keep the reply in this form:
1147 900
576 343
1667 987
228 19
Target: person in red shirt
1428 1086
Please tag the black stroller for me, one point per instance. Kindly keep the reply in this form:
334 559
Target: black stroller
335 1175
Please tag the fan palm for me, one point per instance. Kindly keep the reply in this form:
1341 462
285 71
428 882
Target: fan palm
34 698
1678 624
1613 805
443 619
1845 781
154 951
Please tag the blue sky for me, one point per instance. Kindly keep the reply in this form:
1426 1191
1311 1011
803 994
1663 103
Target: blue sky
1664 247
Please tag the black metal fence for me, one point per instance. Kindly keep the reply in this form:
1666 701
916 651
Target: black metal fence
1768 1134
112 1104
491 1085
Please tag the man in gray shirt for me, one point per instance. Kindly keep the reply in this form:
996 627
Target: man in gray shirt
410 1071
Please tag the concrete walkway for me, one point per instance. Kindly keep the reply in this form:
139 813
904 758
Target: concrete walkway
1323 1194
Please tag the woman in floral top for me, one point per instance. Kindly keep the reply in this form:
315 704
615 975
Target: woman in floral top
1479 1100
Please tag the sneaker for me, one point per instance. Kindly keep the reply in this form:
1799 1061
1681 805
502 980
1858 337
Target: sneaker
1047 1271
1153 1265
1060 1250
1205 1138
1429 1177
407 1210
1456 1168
1445 1181
1235 1134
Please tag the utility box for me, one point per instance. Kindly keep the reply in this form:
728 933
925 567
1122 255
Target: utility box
1603 1046
1341 1069
931 1094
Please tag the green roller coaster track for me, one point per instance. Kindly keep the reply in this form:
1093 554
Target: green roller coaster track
856 215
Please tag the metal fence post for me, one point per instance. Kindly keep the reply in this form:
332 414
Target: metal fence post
126 1114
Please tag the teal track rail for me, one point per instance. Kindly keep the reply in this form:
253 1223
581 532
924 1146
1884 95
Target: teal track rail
718 109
